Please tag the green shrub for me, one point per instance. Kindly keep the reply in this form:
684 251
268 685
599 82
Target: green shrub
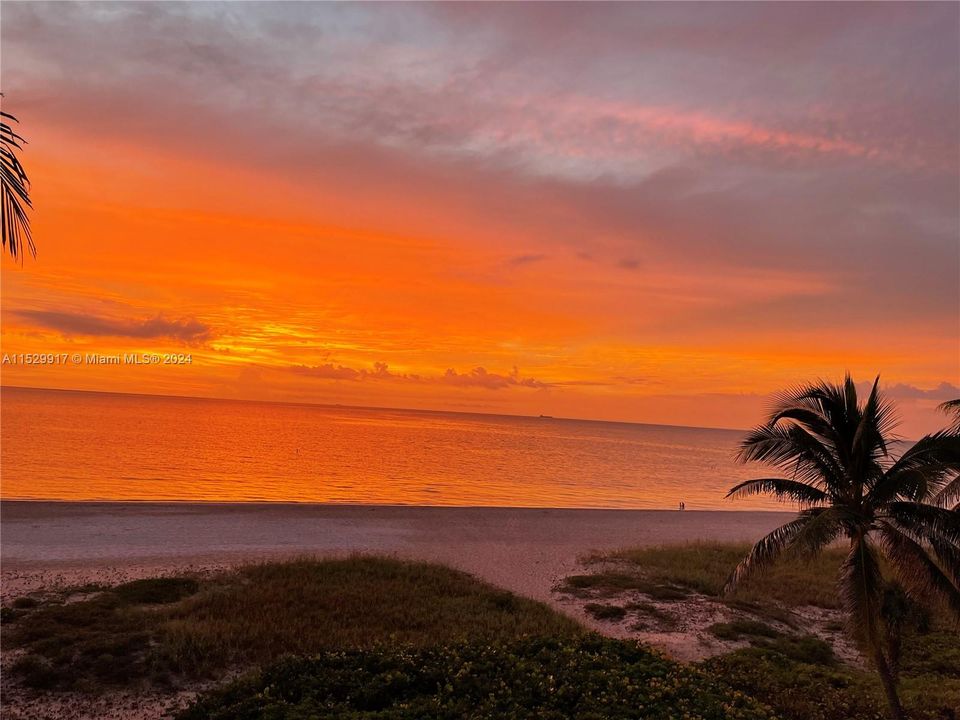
155 591
37 672
605 612
798 691
801 680
162 629
738 629
704 567
588 678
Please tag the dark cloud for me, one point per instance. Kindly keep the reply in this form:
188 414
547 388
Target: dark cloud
188 331
530 259
632 380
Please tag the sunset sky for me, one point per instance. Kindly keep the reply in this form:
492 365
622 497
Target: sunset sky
658 213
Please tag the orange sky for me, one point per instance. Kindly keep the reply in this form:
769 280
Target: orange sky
447 217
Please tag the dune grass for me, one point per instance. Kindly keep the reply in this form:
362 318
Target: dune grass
164 629
795 673
669 572
371 630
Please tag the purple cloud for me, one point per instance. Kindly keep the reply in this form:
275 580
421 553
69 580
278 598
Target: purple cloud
188 331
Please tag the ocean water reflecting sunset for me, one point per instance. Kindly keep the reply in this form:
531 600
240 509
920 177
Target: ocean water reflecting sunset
101 446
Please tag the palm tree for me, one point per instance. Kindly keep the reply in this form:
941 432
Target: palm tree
952 407
950 494
14 191
892 512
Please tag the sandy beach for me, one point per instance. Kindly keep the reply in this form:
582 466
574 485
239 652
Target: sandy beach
47 546
523 550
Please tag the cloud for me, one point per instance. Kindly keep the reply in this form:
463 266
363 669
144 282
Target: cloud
328 371
633 380
785 172
720 139
332 371
530 259
479 377
185 330
942 392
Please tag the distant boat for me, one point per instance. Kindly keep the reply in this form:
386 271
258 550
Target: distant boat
546 417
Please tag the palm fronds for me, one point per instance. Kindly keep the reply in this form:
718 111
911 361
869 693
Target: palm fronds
810 532
836 451
952 407
14 191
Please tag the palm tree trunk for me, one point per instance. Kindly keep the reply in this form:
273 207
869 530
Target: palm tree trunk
889 685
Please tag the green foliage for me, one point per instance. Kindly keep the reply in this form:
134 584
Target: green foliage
704 567
155 591
933 653
739 629
161 629
799 690
800 680
589 678
799 676
651 611
607 583
105 640
605 612
800 648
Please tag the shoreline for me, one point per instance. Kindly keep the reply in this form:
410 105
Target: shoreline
524 550
267 504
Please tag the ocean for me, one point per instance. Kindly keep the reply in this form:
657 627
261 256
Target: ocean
66 445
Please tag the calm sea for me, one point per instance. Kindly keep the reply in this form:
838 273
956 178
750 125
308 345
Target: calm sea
102 446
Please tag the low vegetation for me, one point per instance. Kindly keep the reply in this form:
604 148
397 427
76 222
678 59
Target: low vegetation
163 630
796 674
601 611
675 571
740 629
589 678
370 637
800 680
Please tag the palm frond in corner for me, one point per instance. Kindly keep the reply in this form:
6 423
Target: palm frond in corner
14 191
